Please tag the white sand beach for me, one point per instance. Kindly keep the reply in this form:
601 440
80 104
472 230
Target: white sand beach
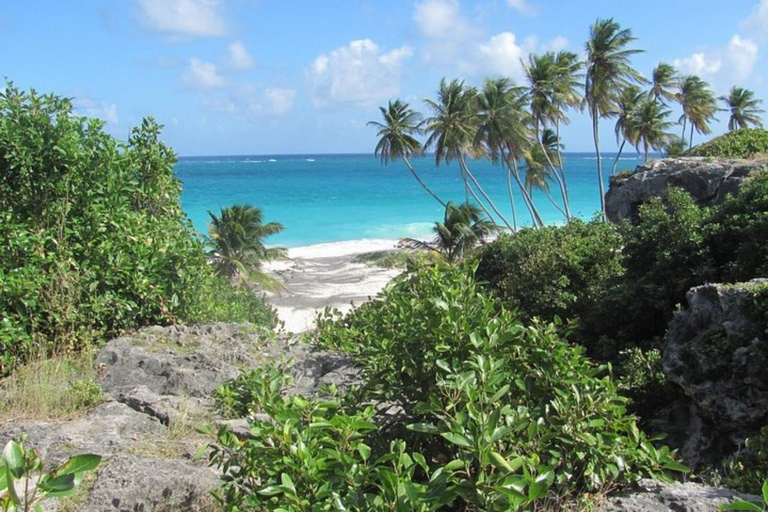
323 275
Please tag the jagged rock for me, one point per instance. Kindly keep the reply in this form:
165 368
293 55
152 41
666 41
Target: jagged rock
130 483
707 180
168 372
653 496
717 353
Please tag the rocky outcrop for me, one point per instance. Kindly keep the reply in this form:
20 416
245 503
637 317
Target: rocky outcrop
708 181
717 352
653 496
159 384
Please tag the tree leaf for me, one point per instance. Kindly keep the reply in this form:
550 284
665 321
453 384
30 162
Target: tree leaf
80 463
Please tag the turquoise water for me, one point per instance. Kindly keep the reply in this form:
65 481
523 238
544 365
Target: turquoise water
329 198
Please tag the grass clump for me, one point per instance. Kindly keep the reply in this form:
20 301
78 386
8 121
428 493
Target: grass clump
57 388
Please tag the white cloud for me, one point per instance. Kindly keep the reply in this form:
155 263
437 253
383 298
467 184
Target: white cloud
757 22
442 19
359 73
523 7
280 100
239 57
501 55
723 66
184 17
202 75
91 108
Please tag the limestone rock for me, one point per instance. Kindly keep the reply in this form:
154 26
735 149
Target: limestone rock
653 496
716 353
707 180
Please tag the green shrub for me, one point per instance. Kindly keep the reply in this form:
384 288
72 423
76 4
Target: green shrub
737 232
743 143
93 237
463 408
745 471
555 271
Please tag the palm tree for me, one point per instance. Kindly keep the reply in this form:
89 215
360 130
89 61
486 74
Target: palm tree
650 126
744 108
452 128
608 71
539 168
664 83
397 140
551 80
504 130
698 103
626 105
236 238
462 229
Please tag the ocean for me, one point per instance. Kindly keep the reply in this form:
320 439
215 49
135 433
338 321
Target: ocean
332 198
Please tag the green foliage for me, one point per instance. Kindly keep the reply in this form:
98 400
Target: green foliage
555 271
25 482
737 232
93 237
745 471
395 259
490 415
744 143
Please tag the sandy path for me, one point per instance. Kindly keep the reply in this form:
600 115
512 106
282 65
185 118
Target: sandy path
324 275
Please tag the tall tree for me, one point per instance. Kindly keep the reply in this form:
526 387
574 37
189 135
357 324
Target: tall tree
608 71
698 103
538 165
664 83
462 229
236 238
504 127
452 128
626 107
650 126
397 139
744 109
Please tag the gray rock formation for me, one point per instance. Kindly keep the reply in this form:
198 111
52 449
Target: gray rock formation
707 180
159 383
653 496
717 354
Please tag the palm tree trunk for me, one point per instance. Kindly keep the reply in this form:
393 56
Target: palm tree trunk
566 198
470 191
554 203
480 188
423 185
690 142
596 134
557 177
645 146
685 119
616 161
510 192
535 216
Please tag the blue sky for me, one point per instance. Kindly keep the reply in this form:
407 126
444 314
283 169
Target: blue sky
273 77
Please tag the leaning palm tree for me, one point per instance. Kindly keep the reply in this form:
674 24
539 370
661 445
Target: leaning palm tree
504 128
608 71
452 128
699 105
236 238
664 83
538 165
397 138
547 78
650 126
743 107
627 103
463 228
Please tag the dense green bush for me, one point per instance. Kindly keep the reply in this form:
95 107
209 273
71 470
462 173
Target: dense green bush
93 237
463 408
556 271
743 143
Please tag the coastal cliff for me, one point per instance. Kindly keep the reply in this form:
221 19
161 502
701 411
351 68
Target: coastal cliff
707 180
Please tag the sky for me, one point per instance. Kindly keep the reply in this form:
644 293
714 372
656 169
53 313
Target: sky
230 77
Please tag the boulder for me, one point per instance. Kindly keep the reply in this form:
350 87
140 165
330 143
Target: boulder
653 496
716 350
708 181
159 383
